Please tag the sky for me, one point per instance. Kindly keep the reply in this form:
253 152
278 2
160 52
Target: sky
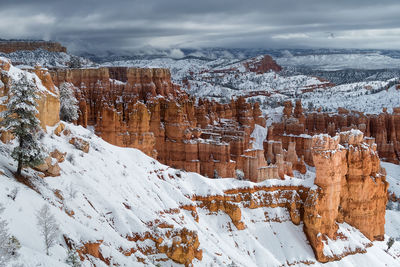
125 25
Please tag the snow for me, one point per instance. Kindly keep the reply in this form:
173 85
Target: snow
340 61
222 78
259 134
98 184
393 177
27 59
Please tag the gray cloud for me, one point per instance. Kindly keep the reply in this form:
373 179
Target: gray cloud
126 24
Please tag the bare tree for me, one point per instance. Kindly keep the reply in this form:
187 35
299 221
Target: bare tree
68 103
48 227
9 245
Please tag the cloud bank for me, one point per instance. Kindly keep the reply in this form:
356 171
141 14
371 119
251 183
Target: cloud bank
88 25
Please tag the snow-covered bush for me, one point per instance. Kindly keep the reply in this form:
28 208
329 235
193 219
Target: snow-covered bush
71 158
20 119
13 193
47 226
73 258
216 175
239 174
68 103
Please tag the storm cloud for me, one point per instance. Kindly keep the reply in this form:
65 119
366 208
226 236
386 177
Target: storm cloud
99 25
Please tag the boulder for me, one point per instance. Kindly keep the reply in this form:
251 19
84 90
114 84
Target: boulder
80 144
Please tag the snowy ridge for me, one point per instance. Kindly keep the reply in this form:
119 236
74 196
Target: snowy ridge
15 74
46 59
222 78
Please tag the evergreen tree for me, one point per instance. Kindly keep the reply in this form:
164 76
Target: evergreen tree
68 103
389 243
20 119
73 258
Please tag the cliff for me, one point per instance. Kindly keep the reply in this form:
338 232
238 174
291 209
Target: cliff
48 103
142 108
262 65
8 46
351 187
299 127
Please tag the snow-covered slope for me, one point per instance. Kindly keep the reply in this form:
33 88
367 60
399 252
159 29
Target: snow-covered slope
112 193
46 59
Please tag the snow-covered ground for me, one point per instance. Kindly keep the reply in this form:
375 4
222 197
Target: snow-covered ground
207 78
99 186
46 59
372 60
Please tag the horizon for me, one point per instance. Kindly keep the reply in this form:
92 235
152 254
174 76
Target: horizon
132 25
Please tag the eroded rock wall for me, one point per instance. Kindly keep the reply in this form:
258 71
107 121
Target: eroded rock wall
350 187
48 102
299 127
142 108
12 46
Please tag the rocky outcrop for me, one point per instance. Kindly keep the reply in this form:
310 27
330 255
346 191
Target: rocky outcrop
80 144
262 65
9 46
184 248
179 245
299 127
48 102
113 105
141 108
350 187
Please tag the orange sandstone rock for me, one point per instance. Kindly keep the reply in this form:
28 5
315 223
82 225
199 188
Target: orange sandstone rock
351 187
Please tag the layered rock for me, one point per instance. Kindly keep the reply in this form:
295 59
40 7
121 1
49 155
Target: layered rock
9 46
262 65
299 127
351 188
48 101
141 108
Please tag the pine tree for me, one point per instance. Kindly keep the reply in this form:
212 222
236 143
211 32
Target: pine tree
389 243
68 103
73 258
20 119
9 245
48 227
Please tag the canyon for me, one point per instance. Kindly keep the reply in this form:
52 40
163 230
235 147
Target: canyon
142 108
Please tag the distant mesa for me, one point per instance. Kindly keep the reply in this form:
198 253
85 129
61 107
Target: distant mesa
10 46
262 65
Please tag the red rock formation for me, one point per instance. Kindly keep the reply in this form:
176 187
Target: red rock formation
48 102
385 128
12 46
262 65
179 245
141 108
351 188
